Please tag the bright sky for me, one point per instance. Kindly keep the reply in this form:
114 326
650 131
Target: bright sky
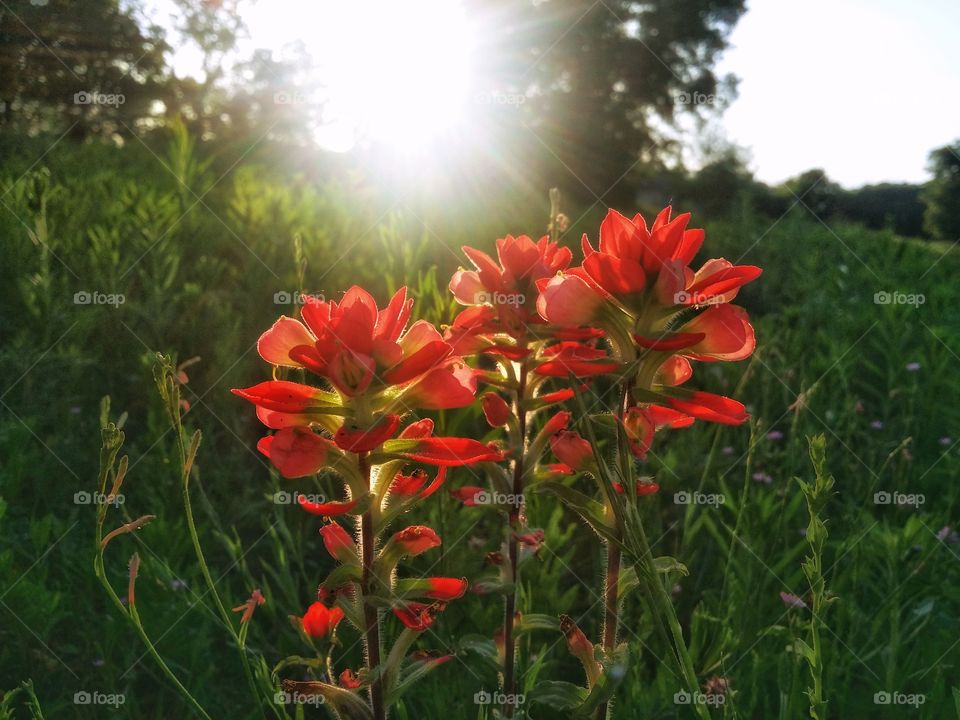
862 88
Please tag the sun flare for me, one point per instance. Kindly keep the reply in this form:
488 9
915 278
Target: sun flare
401 75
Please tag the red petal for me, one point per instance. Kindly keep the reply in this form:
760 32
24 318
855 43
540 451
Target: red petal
710 407
282 396
359 440
618 276
452 452
488 270
327 509
580 368
669 341
557 396
507 351
422 361
442 588
296 452
418 429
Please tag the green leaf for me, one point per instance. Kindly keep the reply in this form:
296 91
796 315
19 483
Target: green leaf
342 575
414 672
534 621
666 564
801 648
349 706
585 506
483 647
558 695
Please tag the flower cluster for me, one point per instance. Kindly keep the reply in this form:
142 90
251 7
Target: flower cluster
370 371
534 331
658 315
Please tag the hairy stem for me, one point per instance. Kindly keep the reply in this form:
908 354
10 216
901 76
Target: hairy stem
371 616
510 602
611 598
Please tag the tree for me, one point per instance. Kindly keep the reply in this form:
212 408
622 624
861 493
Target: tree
602 81
887 205
88 63
813 191
941 197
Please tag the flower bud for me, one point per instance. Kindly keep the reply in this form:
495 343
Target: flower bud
416 539
319 620
442 588
495 409
571 449
339 544
557 423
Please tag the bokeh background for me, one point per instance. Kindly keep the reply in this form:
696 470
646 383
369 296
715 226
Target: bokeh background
173 174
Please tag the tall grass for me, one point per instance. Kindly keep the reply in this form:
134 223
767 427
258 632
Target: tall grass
198 250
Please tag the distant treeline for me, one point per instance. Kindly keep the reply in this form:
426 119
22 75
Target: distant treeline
930 210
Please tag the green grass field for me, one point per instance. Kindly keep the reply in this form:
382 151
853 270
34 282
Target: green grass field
858 340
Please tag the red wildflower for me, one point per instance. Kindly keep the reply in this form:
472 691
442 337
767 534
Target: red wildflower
416 539
642 489
571 449
327 509
413 484
446 451
354 439
510 286
256 599
319 620
710 407
557 423
338 543
418 616
445 589
495 409
468 494
359 347
296 452
348 680
568 301
574 358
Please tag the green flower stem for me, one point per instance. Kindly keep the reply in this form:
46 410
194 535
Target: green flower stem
371 615
510 602
205 570
134 617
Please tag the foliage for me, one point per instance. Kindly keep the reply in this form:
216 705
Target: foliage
196 283
942 195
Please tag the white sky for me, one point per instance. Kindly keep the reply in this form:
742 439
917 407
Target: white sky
862 88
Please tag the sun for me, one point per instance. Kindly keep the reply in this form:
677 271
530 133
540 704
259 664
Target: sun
397 74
